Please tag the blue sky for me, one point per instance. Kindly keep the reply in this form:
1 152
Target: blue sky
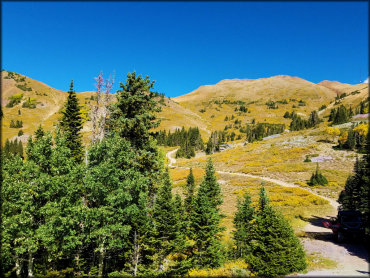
185 45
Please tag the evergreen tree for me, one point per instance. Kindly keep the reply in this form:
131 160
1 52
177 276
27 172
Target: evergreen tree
117 217
275 250
205 224
206 230
243 233
317 178
165 222
71 124
137 106
211 187
133 117
39 133
355 195
189 194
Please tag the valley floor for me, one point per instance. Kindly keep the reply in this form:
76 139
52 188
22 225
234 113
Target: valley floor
328 257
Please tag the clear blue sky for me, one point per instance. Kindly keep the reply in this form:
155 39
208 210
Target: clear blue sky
185 45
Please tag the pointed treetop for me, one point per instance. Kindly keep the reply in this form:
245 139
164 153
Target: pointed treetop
71 87
263 200
39 133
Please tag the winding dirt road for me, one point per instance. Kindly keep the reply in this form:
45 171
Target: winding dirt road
352 258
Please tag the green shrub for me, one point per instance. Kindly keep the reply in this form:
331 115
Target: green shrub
317 178
29 103
14 100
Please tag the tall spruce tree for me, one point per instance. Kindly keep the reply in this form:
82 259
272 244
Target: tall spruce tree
275 249
189 194
165 222
133 117
205 225
71 124
355 195
243 233
211 187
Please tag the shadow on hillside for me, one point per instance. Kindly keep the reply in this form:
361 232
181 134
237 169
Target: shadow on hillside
354 246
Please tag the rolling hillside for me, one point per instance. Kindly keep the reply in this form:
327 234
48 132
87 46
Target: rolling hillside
265 100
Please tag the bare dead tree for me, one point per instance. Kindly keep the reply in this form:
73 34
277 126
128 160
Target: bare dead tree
99 111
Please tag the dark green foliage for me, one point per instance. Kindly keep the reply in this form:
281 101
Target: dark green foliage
214 141
355 195
313 119
298 123
189 202
12 148
256 132
284 101
243 224
19 112
14 100
286 115
322 107
189 141
307 159
40 208
205 223
275 250
23 87
272 105
244 109
343 95
29 103
39 133
202 110
20 133
317 178
301 103
340 115
135 116
166 222
16 124
71 125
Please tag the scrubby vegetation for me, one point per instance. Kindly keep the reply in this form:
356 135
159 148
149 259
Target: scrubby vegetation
29 103
318 178
16 124
14 100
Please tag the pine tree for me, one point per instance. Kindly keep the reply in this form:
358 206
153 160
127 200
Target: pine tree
317 178
205 223
275 249
211 187
243 233
206 230
165 222
39 133
189 193
71 124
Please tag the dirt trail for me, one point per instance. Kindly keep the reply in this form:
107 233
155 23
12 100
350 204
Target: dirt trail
334 203
352 258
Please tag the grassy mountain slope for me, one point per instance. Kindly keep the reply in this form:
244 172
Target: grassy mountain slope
300 95
205 107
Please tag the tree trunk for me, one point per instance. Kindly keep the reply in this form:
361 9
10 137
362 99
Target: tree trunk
101 262
18 267
136 254
30 264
